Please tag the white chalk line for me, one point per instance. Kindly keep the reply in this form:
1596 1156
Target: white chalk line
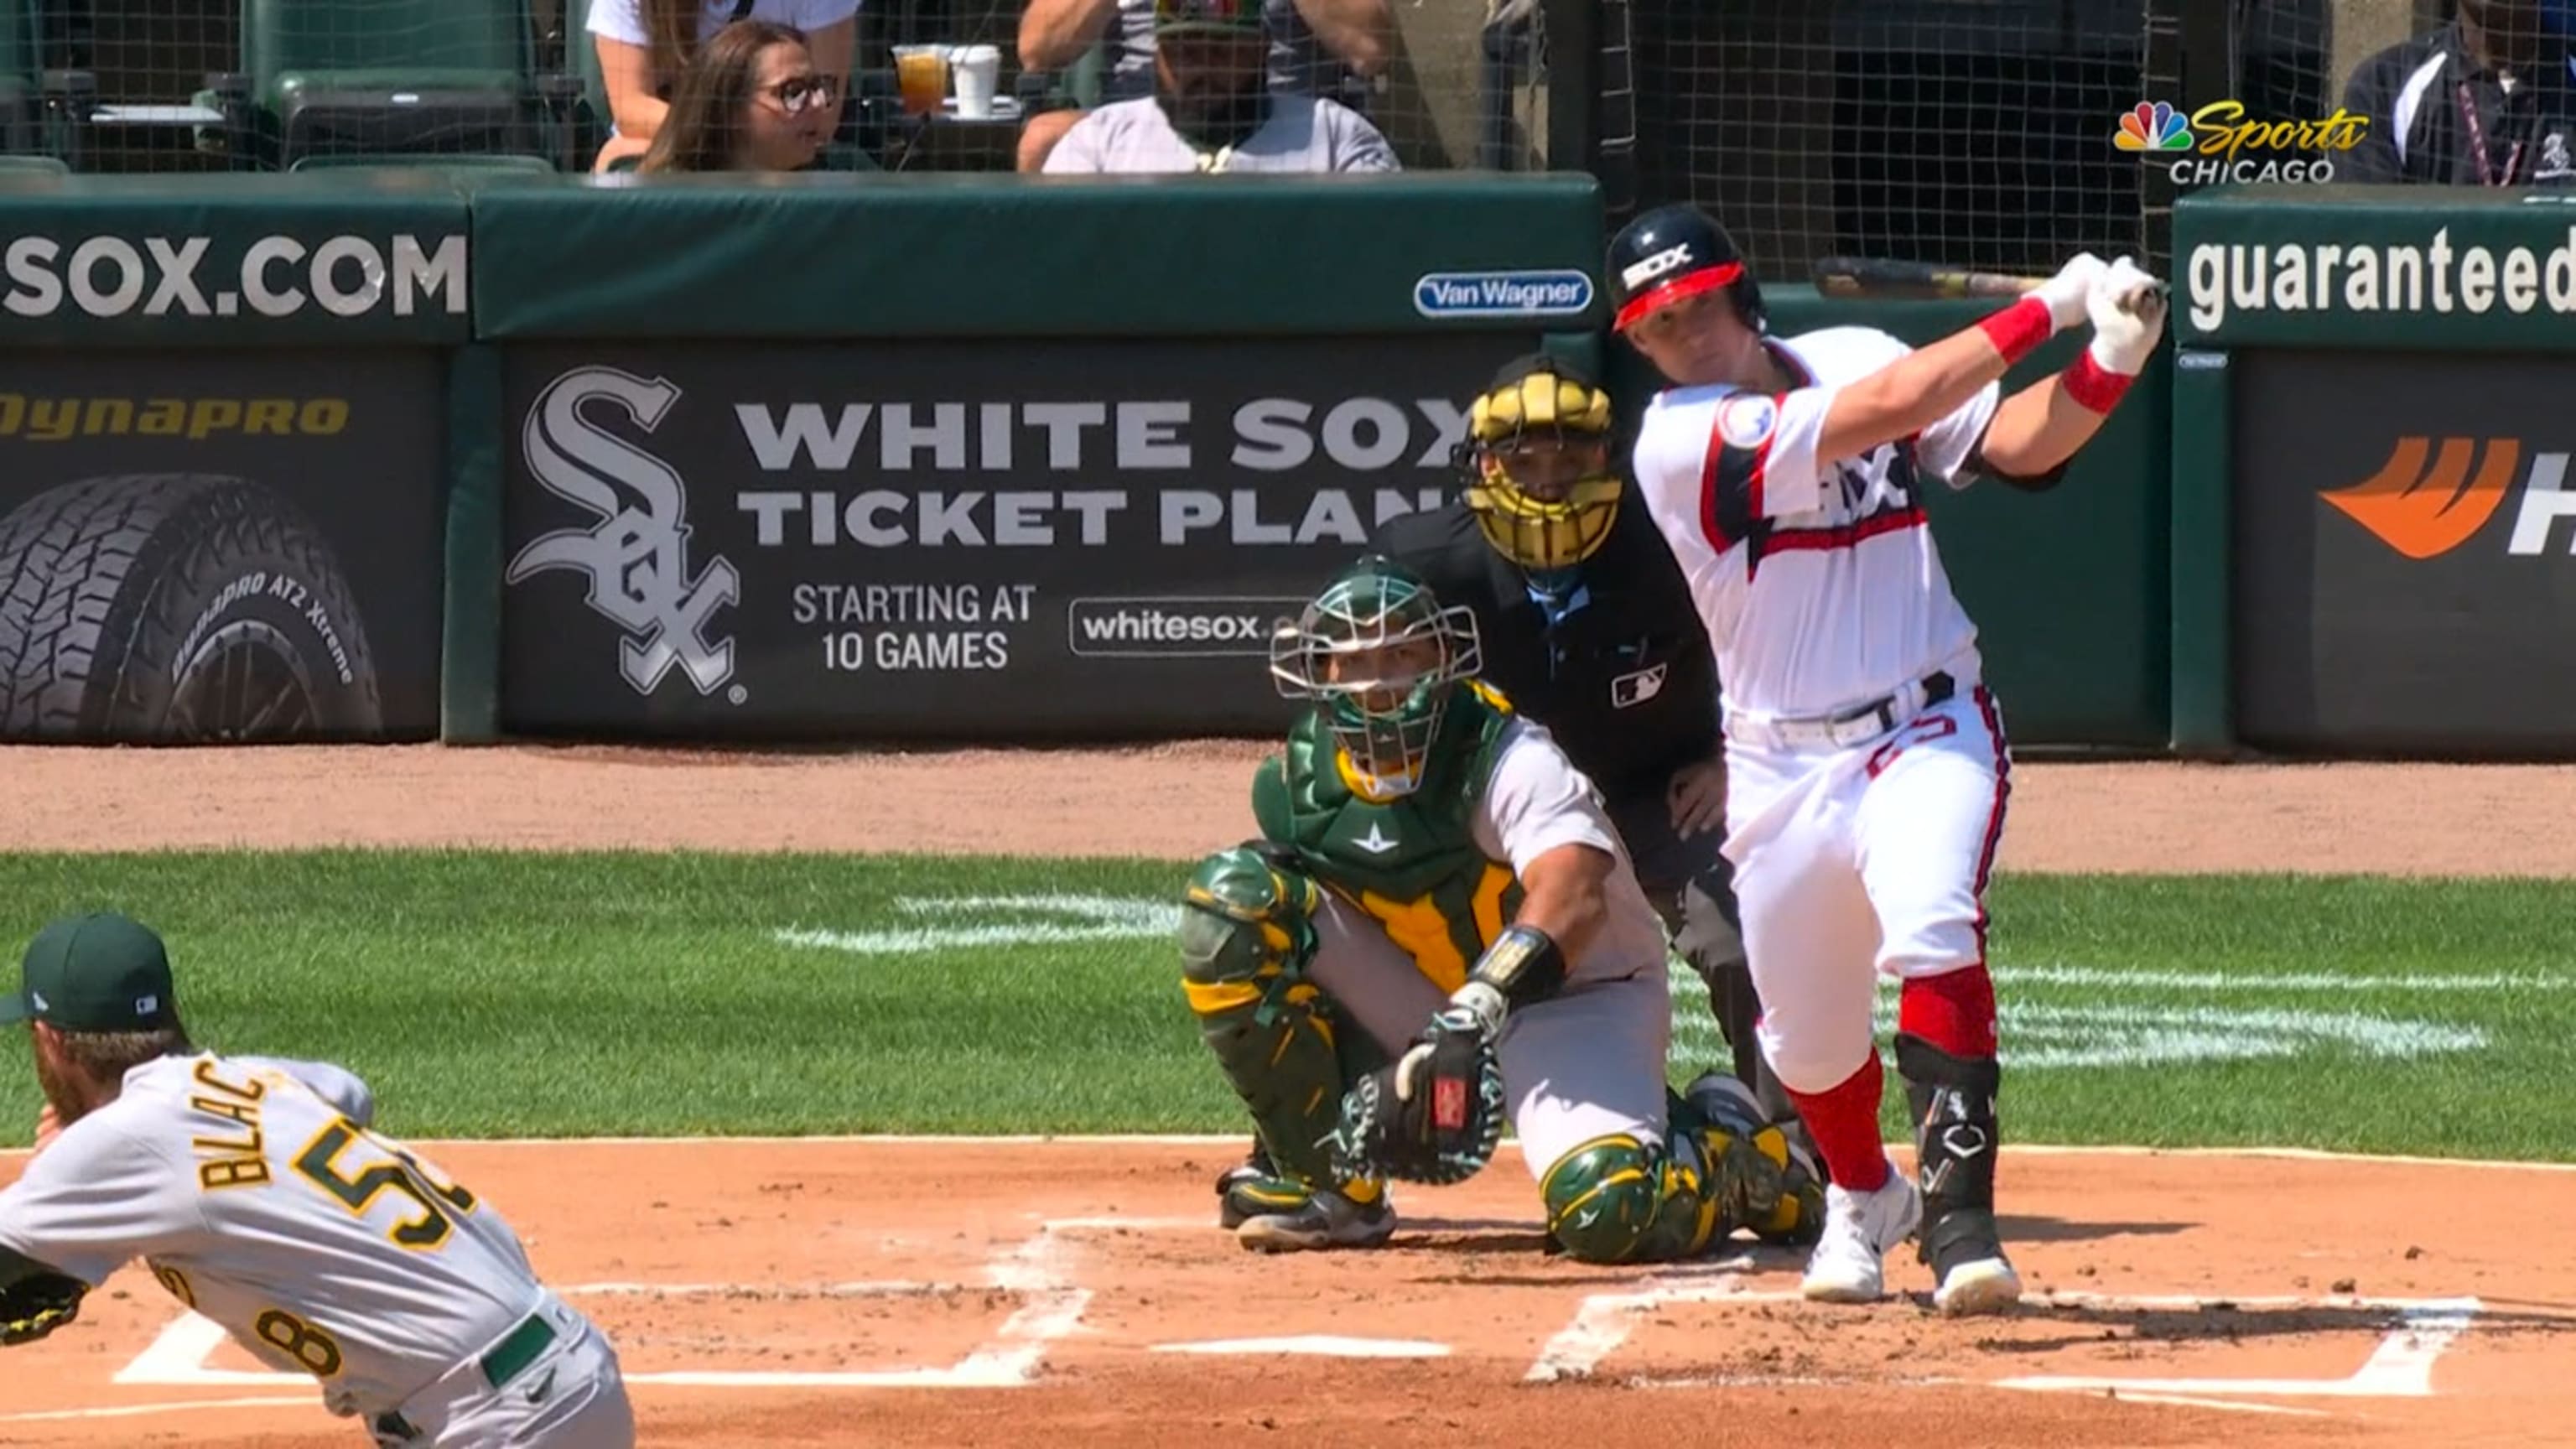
2401 1366
1033 1271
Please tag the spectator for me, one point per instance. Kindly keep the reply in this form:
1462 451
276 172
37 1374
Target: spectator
751 100
2484 101
645 45
1315 46
1212 110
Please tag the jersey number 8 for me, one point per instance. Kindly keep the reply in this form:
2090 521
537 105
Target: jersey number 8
403 1174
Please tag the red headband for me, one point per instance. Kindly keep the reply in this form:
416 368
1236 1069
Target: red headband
1688 284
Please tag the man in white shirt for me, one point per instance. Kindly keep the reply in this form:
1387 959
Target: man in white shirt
1212 109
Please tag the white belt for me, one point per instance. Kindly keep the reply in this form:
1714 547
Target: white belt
1850 727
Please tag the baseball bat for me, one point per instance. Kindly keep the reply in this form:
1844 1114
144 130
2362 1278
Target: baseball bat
1886 277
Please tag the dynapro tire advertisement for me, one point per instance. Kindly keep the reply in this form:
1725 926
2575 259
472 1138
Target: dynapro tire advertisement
997 541
220 547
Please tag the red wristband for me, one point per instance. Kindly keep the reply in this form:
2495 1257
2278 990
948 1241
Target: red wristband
2018 330
2092 386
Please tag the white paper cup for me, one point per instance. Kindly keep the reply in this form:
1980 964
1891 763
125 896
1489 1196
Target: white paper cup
978 69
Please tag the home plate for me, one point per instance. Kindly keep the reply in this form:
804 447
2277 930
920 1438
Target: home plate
1325 1344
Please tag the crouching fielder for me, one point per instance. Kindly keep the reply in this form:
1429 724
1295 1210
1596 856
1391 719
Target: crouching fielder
258 1194
1439 928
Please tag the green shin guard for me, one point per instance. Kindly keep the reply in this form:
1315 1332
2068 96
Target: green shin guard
1247 934
1952 1100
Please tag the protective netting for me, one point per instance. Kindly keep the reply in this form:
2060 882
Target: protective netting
1972 134
174 85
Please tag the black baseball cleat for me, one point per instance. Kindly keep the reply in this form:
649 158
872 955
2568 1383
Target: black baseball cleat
1252 1188
1968 1264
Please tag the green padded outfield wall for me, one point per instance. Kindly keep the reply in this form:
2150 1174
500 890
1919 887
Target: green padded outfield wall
2069 588
969 255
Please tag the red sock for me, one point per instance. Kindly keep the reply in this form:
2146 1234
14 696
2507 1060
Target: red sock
1954 1011
1843 1121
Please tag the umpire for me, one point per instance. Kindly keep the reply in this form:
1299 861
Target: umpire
1586 626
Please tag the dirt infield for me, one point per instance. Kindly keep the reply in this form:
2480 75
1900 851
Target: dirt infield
1079 1293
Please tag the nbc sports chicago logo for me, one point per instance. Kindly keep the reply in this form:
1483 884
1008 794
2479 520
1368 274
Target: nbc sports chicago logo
2218 143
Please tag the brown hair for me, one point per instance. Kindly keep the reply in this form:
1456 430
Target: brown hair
704 128
104 1057
671 32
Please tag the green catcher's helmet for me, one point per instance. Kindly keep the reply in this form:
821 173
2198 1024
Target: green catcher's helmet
1382 658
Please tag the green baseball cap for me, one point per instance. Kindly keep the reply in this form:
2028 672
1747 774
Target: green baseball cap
1237 18
98 972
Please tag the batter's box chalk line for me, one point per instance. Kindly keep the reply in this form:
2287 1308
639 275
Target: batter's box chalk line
2401 1366
1035 1272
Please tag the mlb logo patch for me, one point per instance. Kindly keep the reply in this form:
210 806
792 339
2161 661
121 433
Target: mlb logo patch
1627 691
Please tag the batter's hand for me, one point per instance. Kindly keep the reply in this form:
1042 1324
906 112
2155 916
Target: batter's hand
2128 311
1696 795
2068 293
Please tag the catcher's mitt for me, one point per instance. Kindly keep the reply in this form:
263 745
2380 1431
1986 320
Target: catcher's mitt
1435 1116
36 1305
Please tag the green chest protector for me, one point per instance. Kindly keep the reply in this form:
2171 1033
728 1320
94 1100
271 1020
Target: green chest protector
1412 862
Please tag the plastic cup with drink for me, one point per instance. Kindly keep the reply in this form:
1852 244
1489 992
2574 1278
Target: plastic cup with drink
921 76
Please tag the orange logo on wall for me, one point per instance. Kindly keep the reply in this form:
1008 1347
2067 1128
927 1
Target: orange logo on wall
2423 512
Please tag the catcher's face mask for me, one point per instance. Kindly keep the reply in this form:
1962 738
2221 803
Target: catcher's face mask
1381 658
1538 464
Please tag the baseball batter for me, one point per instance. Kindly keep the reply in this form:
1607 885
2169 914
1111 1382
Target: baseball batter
258 1195
1866 761
1438 928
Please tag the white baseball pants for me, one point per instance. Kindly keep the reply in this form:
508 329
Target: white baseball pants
1856 860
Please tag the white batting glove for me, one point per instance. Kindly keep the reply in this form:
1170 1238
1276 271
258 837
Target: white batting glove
2066 292
2128 311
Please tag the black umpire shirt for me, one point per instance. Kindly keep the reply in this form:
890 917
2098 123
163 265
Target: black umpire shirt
1623 679
2438 115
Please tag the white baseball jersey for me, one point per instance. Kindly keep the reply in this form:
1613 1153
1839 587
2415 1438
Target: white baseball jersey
1817 577
256 1193
1536 800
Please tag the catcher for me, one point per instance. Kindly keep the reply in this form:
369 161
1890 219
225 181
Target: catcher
258 1195
1439 929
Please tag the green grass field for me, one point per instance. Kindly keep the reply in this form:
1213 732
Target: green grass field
488 994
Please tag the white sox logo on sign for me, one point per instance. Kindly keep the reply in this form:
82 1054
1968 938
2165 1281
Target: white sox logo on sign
637 557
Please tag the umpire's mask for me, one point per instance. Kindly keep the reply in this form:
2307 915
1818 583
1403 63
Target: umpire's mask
1537 460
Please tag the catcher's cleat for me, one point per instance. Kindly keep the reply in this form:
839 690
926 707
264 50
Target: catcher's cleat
1254 1187
1327 1220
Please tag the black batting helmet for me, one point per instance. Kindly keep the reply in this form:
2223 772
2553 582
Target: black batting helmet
1678 251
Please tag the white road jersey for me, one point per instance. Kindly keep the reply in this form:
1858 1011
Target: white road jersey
1536 800
255 1192
1817 578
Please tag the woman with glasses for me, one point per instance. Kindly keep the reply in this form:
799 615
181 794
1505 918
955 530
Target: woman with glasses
752 100
644 46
